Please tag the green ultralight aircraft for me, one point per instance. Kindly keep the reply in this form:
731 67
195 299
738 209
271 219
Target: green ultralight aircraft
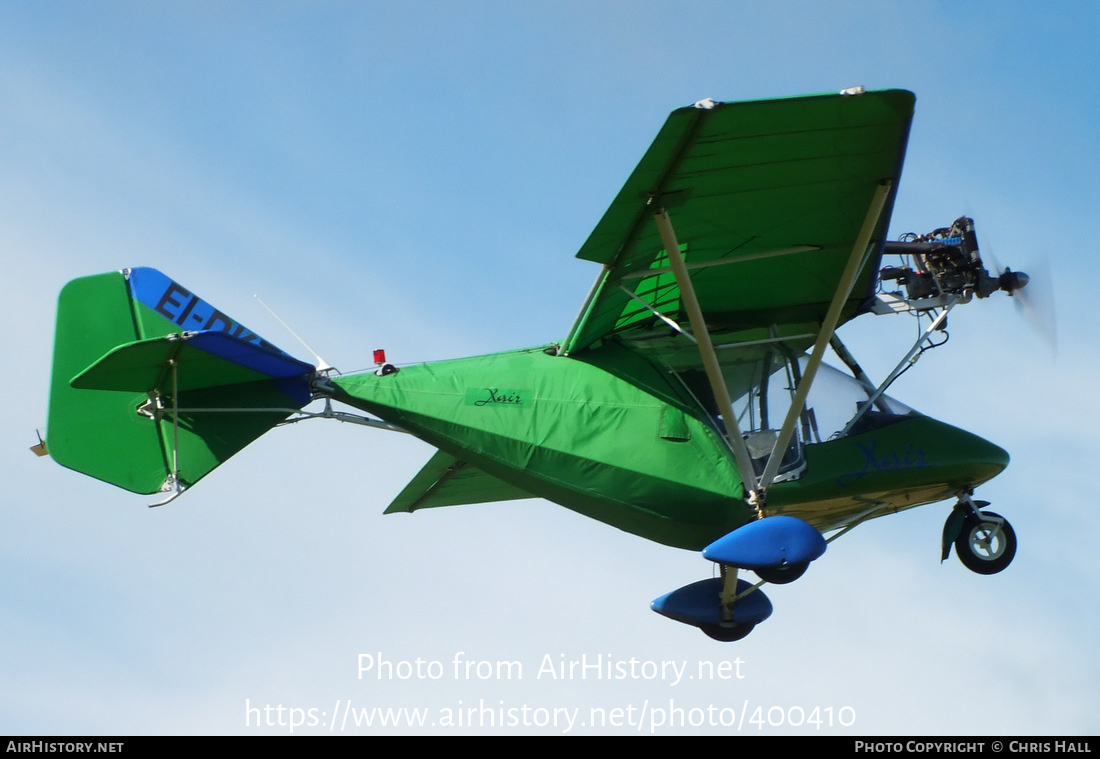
688 404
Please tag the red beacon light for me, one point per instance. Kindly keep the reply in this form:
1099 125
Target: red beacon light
384 367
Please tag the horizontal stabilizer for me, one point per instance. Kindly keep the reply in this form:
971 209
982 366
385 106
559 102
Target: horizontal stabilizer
771 542
446 481
203 359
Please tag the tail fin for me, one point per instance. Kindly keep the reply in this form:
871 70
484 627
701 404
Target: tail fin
152 387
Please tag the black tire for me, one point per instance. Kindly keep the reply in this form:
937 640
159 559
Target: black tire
986 547
727 634
782 574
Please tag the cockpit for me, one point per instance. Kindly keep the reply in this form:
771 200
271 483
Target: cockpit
762 389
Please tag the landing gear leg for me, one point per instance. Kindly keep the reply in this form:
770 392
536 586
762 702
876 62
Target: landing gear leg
727 630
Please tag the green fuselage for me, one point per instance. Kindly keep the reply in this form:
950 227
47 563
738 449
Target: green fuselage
613 437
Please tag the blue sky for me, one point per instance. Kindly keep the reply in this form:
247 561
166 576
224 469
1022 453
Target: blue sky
417 176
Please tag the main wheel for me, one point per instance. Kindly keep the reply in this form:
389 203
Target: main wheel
727 634
782 574
986 546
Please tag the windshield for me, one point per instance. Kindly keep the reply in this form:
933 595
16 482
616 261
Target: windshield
762 390
836 398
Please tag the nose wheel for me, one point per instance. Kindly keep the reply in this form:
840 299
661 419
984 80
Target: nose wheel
987 543
984 540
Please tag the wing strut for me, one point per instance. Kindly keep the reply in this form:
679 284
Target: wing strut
828 326
706 348
596 287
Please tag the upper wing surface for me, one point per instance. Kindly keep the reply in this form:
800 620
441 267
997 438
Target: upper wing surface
767 199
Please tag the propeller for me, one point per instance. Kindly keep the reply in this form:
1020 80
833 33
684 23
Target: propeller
1034 297
1037 304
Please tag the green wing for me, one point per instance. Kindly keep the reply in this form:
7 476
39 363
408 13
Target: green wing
767 199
